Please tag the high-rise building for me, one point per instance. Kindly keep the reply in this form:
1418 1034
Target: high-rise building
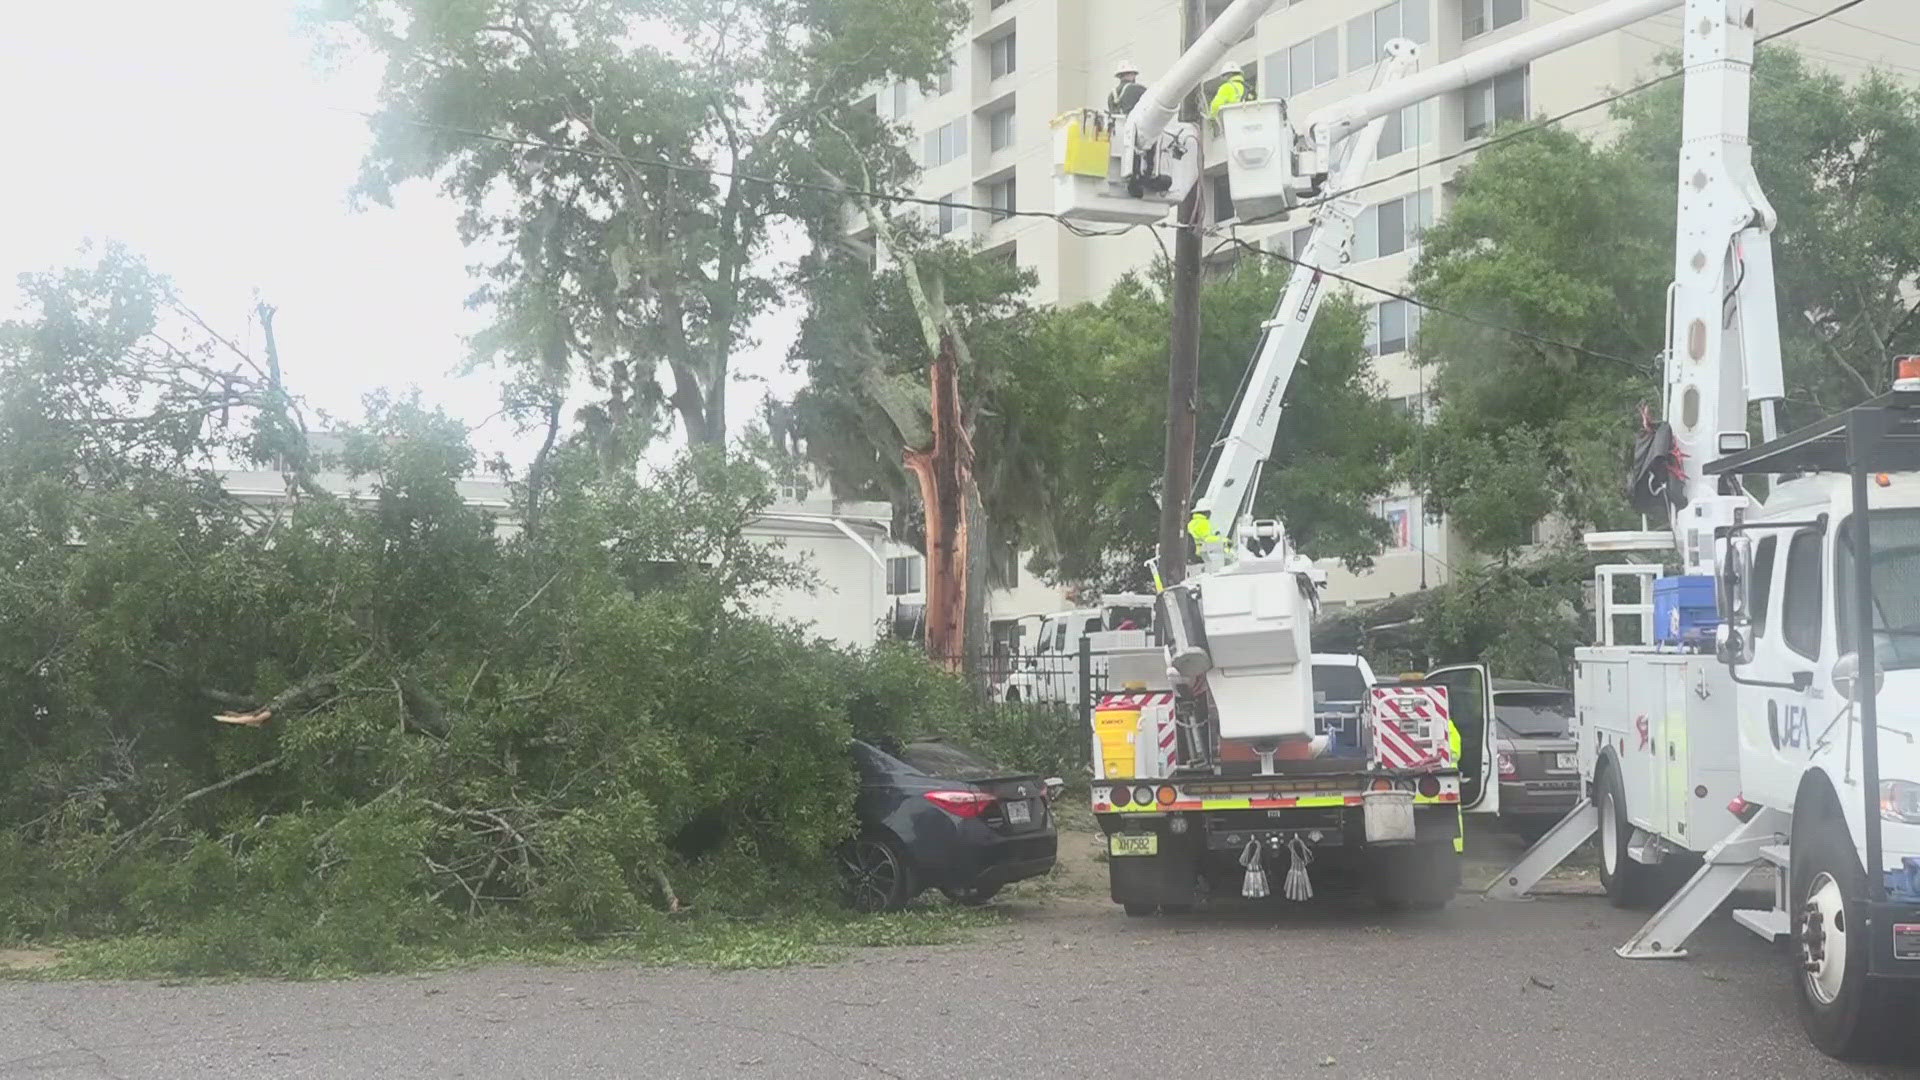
983 137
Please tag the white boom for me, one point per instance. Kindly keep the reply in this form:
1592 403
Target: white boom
1249 438
1160 105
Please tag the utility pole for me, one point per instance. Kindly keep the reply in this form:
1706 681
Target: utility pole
1183 353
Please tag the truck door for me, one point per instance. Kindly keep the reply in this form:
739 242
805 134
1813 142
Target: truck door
1469 704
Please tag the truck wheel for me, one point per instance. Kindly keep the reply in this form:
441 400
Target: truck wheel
1628 883
1424 877
1844 1013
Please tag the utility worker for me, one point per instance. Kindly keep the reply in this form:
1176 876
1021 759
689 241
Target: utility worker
1232 91
1460 832
1128 91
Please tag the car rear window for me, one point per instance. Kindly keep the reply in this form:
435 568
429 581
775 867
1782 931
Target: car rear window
1338 682
946 761
1544 712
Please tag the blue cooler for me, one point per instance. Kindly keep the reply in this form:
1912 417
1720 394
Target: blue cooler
1684 612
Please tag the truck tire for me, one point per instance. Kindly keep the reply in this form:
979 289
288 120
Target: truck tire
1629 884
1423 877
1844 1013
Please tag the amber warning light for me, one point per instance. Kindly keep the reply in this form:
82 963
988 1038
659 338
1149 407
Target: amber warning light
1906 373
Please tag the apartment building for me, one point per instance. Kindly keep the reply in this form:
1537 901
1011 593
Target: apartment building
984 138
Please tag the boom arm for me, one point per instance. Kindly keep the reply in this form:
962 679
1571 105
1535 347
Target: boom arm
1250 437
1160 105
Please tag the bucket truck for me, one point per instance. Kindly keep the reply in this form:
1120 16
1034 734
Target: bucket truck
1211 757
1771 725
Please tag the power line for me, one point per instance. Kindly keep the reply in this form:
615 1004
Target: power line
840 190
1539 339
1610 99
1852 26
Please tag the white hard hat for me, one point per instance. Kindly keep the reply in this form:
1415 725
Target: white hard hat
1127 67
1231 69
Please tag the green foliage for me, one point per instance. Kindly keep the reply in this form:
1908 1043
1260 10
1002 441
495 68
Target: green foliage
456 728
1068 408
603 267
1573 242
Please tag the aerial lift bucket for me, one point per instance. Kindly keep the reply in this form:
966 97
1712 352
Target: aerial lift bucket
1260 158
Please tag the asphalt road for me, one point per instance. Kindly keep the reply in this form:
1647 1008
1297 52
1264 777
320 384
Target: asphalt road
1067 988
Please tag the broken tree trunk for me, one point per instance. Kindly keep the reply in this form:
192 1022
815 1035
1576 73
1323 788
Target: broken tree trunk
944 470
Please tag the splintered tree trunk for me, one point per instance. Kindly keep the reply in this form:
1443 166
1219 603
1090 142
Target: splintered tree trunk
945 473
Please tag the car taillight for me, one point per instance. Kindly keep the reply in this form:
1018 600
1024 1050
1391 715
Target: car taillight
1507 769
966 804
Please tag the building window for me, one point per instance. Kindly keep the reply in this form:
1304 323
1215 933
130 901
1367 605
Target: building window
1003 567
945 143
906 575
952 216
1000 128
1000 56
943 82
1222 197
1405 129
1367 35
1000 197
1311 63
1392 226
998 4
1494 101
900 102
1217 8
1482 16
1415 407
1391 327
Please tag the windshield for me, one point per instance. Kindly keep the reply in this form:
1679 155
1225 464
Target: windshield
1533 713
1338 682
1895 537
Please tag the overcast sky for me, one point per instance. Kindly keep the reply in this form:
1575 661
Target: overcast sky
204 135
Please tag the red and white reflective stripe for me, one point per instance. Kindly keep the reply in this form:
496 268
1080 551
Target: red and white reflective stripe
1397 748
1138 700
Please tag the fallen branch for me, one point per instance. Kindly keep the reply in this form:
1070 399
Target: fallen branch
163 813
287 698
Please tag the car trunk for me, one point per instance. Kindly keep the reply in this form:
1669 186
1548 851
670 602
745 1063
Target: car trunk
1020 804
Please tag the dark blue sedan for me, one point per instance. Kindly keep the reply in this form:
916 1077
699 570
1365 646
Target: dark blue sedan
933 815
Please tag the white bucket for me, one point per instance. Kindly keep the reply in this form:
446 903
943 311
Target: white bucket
1389 817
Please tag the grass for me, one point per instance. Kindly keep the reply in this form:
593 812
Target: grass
808 937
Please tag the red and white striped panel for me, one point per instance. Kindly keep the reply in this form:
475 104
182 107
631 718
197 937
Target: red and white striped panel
1166 732
1409 726
1135 699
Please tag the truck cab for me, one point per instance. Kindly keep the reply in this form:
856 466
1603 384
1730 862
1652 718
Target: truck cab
1051 671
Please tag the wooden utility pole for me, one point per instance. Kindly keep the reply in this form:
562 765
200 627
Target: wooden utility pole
1183 353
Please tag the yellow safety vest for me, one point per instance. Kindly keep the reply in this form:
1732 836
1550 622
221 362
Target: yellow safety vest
1460 812
1231 92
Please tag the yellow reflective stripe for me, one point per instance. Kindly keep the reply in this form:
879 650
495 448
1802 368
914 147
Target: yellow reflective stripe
1321 800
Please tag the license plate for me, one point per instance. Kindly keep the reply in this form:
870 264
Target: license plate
1566 762
1133 844
1019 813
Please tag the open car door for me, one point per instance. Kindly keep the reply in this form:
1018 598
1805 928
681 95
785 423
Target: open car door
1470 704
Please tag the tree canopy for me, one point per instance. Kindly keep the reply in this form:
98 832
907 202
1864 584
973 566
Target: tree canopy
623 164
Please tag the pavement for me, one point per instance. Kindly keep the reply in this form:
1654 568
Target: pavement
1068 986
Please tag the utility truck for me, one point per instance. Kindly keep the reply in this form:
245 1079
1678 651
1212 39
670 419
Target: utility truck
1211 759
1771 726
1050 672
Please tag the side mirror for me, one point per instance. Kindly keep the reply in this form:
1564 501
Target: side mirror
1732 645
1846 675
1731 590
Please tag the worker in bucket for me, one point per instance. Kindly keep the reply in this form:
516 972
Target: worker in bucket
1128 91
1232 91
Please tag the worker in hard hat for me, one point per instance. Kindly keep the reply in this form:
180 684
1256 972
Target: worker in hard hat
1233 89
1128 91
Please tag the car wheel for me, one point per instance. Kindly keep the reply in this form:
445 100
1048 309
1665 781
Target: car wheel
972 897
1844 1013
1627 882
876 874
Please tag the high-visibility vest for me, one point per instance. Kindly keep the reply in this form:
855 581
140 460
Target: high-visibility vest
1231 92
